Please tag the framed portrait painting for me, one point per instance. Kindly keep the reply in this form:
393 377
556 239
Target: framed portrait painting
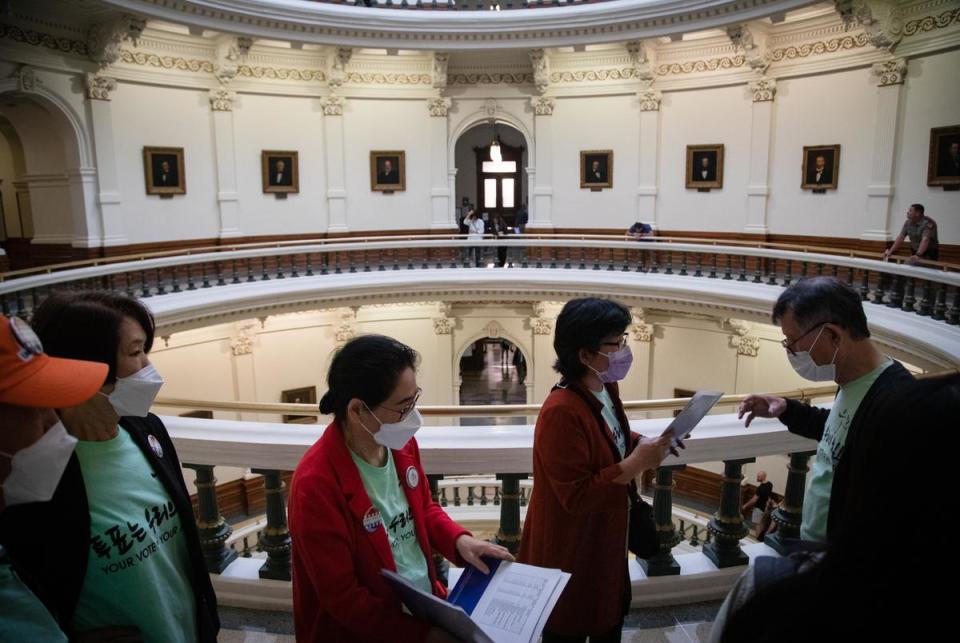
163 170
821 167
388 171
943 168
704 167
596 169
305 395
280 171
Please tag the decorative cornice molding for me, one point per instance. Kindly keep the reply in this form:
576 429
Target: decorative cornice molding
493 78
713 64
763 90
221 100
337 74
39 39
332 105
439 106
881 20
929 23
377 78
542 105
890 72
98 87
166 62
820 47
281 74
540 323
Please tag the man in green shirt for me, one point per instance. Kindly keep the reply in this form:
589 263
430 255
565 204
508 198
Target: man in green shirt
827 339
34 450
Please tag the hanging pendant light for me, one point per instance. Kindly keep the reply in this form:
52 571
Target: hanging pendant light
495 154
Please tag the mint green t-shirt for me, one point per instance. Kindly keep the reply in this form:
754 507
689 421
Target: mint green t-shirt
138 571
816 501
386 494
23 617
610 417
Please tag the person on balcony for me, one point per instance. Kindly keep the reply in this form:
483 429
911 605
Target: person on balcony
475 233
827 339
117 546
585 460
360 502
35 449
922 232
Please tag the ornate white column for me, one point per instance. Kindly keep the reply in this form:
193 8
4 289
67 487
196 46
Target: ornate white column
541 204
221 103
889 77
763 92
637 384
540 374
452 201
242 343
649 151
98 89
440 193
748 347
336 163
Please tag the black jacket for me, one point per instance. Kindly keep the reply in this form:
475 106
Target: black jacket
809 421
49 542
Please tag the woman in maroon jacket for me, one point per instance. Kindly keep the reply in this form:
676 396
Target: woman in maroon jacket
584 458
360 502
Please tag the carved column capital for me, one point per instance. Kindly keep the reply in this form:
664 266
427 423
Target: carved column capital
542 106
332 105
439 106
890 72
221 100
763 90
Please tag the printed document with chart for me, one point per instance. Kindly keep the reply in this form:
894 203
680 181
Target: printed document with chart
510 605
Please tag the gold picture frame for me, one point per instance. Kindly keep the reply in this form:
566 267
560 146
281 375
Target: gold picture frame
163 170
943 167
702 175
303 395
280 171
829 176
596 169
388 171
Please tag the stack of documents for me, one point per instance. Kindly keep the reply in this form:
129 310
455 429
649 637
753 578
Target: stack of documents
510 605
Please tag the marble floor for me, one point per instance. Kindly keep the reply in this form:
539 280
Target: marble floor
673 624
495 382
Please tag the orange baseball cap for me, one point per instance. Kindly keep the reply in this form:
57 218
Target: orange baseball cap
29 377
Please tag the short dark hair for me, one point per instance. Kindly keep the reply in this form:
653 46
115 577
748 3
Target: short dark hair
585 323
817 300
366 368
86 325
918 207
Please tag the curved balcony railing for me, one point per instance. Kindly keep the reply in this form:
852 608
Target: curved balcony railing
503 453
459 5
929 290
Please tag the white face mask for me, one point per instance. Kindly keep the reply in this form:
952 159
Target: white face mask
808 369
395 435
35 471
133 395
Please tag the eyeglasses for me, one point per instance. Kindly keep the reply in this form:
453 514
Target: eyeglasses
787 344
619 344
403 412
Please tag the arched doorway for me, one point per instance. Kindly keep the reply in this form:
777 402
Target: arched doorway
16 222
493 371
54 184
493 186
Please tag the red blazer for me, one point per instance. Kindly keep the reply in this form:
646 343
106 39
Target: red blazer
577 516
338 592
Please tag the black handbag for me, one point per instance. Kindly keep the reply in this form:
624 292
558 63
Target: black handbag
642 538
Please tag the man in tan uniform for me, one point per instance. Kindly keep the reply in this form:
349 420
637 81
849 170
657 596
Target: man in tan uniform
922 231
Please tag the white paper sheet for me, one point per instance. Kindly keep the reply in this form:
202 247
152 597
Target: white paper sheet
517 602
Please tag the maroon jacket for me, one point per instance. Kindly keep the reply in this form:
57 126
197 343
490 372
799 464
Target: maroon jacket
339 594
577 517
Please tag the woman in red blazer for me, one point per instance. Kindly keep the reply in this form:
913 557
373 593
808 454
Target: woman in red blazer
360 502
584 458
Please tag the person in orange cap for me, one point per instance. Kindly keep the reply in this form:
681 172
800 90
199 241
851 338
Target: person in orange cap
34 452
